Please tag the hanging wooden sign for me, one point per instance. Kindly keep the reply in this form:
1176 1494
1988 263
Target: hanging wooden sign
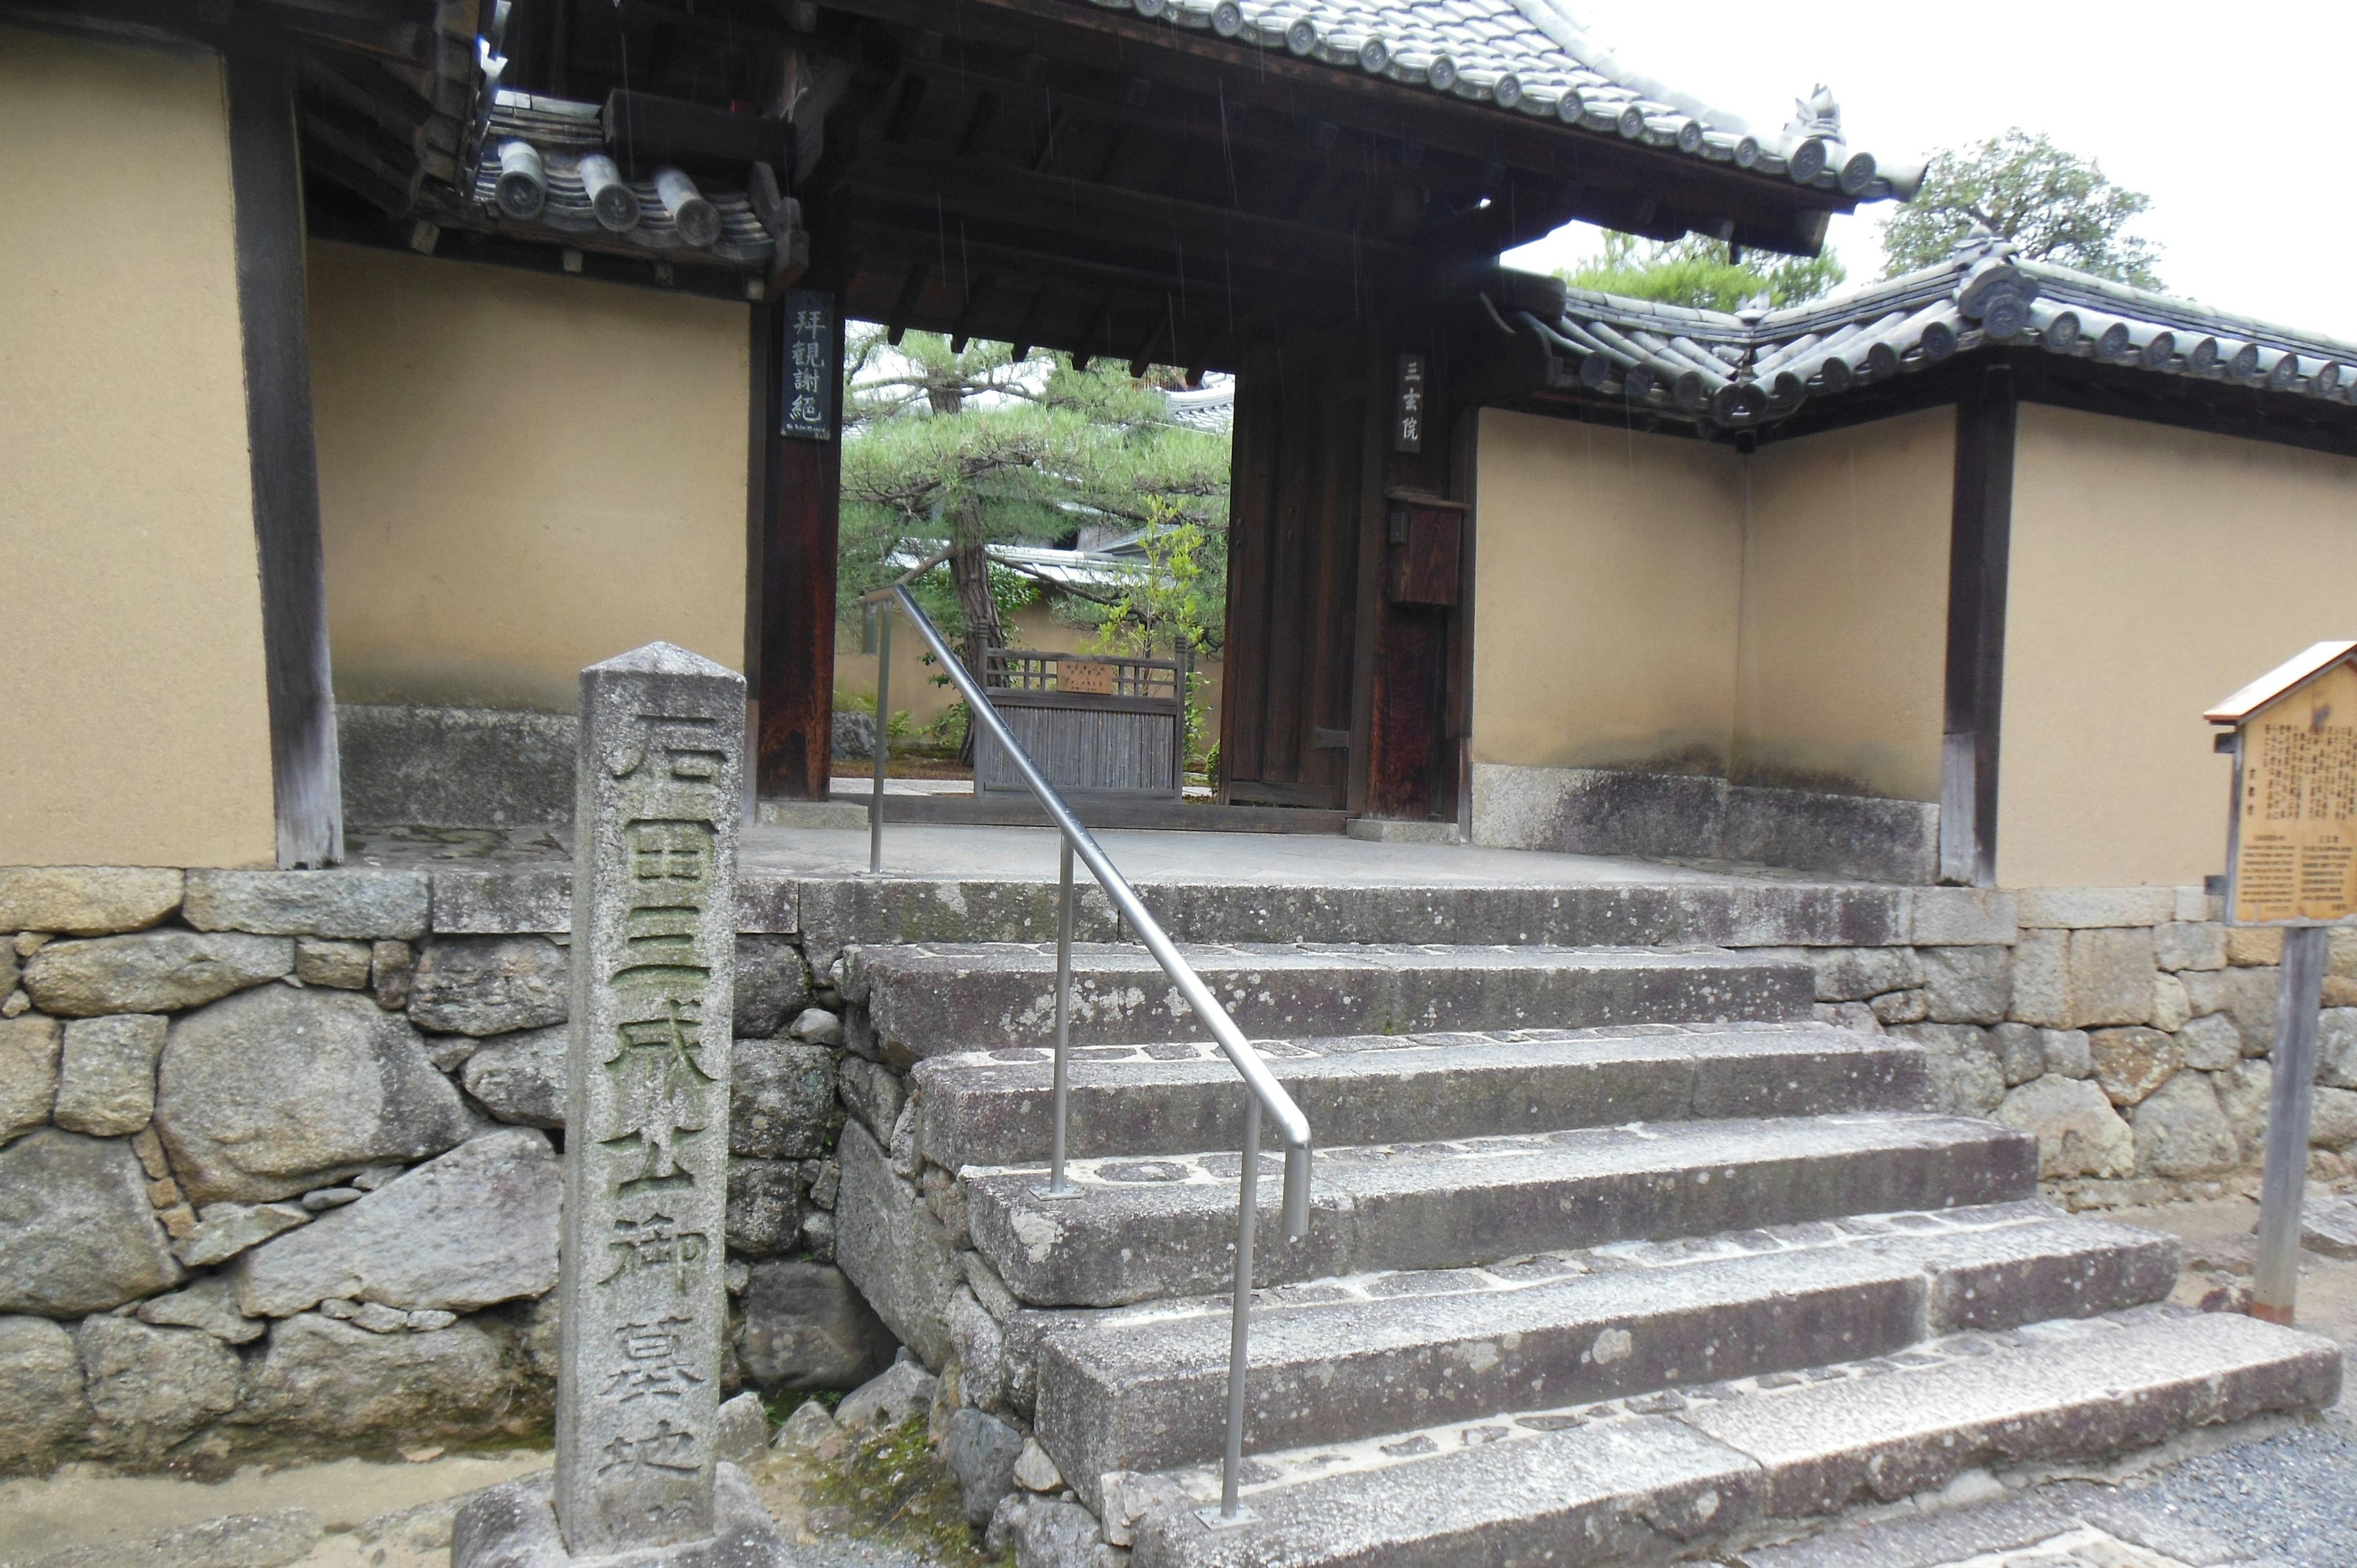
2292 845
806 392
1407 411
1091 676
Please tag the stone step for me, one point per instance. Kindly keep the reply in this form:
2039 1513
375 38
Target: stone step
1646 1479
1645 905
993 1107
1144 1229
914 1001
1340 1360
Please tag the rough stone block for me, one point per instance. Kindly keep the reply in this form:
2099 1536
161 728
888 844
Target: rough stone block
806 1327
513 1525
741 1430
228 1229
77 1232
817 1027
352 901
107 1083
2190 944
40 1388
772 986
474 1227
209 1304
2110 977
2087 907
2336 1047
894 1397
765 1213
490 985
2332 1118
1900 1008
1967 984
2021 1052
86 901
1939 917
893 1248
1859 974
2069 1052
872 1092
149 1387
2171 1006
782 1099
324 1379
339 965
2079 1134
2245 995
2254 946
502 900
29 1047
2181 1131
981 1450
520 1077
1963 1074
391 967
2210 1042
2242 1095
2041 991
2132 1063
277 1091
151 972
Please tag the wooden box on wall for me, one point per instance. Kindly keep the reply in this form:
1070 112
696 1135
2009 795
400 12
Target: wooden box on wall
1427 537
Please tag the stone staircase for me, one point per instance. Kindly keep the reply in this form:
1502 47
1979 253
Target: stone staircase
1616 1254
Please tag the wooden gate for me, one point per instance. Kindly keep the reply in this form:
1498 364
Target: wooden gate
1094 725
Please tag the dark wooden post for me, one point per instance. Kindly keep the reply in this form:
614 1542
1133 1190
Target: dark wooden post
1979 544
266 180
793 561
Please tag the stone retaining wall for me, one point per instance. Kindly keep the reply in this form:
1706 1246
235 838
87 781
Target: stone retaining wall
2128 1028
279 1162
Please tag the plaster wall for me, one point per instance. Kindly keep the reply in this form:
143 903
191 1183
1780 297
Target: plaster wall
1608 582
131 663
2152 571
521 474
1843 653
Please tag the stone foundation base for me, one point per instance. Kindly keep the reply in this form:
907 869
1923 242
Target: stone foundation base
1601 811
513 1525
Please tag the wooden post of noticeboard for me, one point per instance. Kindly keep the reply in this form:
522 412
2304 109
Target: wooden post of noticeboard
2291 862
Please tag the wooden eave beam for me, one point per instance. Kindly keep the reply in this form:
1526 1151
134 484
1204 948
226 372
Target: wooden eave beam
1121 43
975 188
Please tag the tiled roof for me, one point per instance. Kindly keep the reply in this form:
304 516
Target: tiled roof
1531 56
1756 368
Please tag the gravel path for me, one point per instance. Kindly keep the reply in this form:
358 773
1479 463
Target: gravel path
2291 1499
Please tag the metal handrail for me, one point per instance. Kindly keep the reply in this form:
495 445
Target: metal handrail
1267 1094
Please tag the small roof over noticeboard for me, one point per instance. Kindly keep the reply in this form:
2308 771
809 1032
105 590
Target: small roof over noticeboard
2283 679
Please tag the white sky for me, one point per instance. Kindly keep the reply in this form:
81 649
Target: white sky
2239 120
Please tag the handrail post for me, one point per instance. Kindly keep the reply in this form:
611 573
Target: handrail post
1231 1460
883 746
1058 1186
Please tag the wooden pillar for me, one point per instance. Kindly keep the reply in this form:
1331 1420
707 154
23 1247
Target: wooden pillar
1979 543
266 180
791 561
1417 537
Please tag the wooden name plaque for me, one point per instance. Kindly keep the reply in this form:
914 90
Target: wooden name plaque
1087 676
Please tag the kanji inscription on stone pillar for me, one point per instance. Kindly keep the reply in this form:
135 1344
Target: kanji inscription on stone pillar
646 1148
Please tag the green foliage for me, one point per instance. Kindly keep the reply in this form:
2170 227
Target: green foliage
944 449
2056 206
1701 272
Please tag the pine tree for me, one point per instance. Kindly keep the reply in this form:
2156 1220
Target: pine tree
1704 274
2055 205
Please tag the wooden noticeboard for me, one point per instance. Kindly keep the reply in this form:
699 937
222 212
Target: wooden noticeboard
2292 857
1084 675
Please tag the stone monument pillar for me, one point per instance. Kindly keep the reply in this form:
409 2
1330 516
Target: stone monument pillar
646 1150
640 1291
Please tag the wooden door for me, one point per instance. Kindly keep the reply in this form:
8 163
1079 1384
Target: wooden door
1296 514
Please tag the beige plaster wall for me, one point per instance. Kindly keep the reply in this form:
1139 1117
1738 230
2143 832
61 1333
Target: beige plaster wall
1608 579
521 474
131 669
1842 668
2152 570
